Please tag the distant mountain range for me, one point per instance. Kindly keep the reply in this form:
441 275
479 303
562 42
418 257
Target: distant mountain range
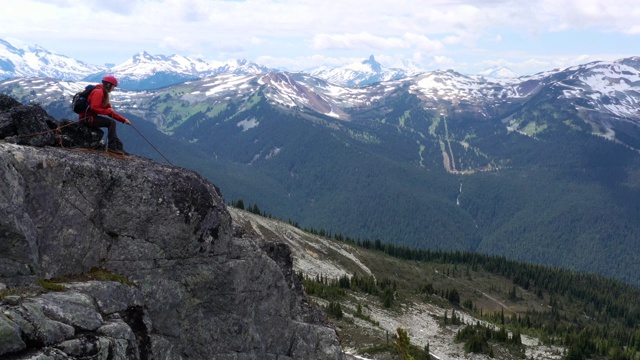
540 168
145 71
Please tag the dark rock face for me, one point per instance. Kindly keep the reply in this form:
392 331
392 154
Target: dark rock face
31 125
201 292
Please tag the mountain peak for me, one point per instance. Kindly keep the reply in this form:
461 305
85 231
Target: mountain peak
375 66
143 56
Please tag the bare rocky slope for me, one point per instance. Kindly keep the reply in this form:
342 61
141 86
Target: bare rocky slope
315 256
194 287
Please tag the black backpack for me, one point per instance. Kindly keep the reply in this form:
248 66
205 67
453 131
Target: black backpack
80 104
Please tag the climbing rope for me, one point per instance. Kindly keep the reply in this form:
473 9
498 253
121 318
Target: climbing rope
59 128
147 140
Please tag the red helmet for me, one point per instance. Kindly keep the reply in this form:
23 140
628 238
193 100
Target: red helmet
110 79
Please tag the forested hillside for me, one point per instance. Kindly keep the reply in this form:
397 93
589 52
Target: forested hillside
486 304
525 171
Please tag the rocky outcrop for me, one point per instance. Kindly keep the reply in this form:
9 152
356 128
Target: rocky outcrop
31 125
199 289
88 320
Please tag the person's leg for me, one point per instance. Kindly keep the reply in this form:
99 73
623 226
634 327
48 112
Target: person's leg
110 124
121 146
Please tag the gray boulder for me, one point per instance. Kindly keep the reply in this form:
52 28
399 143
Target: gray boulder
36 327
74 134
71 308
30 125
10 338
7 103
71 323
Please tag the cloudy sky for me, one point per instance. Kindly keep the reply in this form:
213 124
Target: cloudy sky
468 36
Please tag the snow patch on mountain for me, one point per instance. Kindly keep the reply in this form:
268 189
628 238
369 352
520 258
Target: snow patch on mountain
452 86
229 84
248 124
609 87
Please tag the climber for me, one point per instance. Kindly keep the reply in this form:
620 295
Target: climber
102 114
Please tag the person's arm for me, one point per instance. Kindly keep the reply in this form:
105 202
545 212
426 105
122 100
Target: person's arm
120 118
95 103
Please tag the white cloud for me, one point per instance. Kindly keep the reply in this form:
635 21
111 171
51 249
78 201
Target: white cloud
295 30
422 42
366 41
559 15
363 40
306 62
255 40
172 43
443 60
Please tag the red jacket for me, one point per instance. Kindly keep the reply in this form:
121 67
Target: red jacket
97 108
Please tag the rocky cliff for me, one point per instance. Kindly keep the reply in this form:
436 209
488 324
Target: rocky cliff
195 287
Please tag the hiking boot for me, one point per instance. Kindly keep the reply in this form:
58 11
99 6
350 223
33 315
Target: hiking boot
120 146
116 151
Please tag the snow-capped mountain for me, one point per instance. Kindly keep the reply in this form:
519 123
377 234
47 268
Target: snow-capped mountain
532 132
143 64
497 72
607 95
20 60
145 71
604 89
361 73
240 67
607 92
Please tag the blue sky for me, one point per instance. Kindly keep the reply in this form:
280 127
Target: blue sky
467 36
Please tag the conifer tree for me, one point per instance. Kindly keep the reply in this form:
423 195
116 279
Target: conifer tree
402 344
240 204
